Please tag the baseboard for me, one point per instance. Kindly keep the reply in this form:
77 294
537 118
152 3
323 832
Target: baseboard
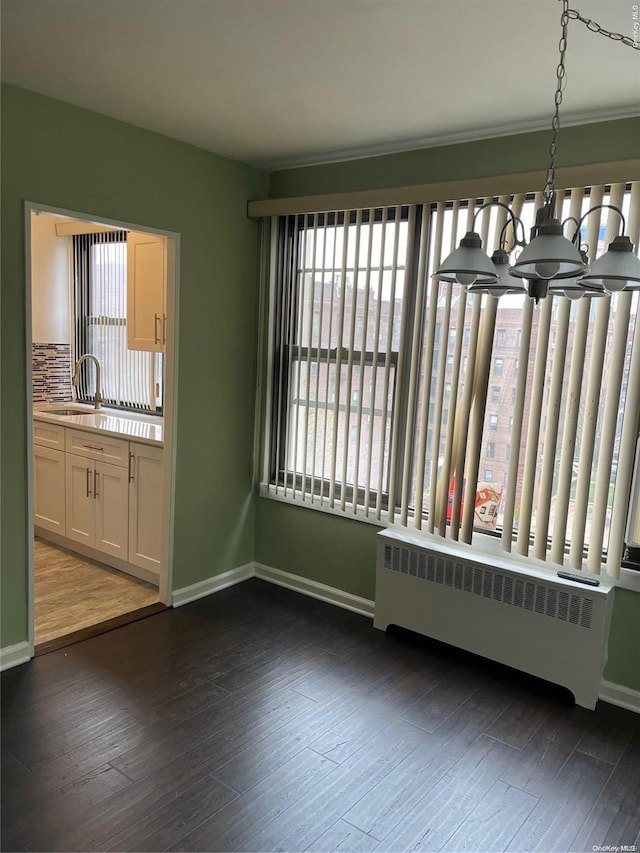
15 655
618 694
211 585
330 594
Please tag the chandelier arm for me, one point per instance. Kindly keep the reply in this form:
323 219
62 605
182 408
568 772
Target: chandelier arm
592 210
516 242
514 220
594 27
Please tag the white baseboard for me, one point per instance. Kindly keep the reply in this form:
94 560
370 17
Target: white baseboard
15 655
618 694
330 594
211 585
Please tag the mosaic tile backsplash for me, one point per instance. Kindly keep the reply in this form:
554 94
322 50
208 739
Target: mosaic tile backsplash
52 373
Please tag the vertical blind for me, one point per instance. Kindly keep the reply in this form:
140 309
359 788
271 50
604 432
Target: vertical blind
130 378
400 398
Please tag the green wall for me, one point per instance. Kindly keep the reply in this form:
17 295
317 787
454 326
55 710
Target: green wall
592 143
57 154
341 552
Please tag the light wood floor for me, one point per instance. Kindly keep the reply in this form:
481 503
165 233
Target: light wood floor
72 593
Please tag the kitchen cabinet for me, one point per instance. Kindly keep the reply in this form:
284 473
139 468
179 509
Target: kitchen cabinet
101 495
145 506
49 476
146 292
97 505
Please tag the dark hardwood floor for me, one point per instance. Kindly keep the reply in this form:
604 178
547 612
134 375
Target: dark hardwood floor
258 719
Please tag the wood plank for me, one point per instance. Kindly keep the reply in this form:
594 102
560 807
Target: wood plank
443 808
493 822
615 818
228 829
73 593
160 828
301 824
561 811
341 836
547 751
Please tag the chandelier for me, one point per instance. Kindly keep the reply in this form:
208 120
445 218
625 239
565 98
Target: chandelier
550 263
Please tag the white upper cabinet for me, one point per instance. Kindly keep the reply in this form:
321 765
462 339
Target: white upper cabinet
146 292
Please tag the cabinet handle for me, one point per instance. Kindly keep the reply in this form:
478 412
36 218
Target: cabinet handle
88 482
164 328
131 467
95 484
92 447
156 336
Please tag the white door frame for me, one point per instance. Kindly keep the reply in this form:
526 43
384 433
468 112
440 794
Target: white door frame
170 409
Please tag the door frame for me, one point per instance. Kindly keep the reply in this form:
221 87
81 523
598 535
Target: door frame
170 408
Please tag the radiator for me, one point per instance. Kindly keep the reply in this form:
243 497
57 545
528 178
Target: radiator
526 619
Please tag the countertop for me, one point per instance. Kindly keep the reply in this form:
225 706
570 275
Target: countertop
147 429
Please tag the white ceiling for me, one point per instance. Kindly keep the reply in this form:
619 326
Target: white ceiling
285 82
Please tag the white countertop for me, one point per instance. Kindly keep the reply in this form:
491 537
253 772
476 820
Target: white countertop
147 429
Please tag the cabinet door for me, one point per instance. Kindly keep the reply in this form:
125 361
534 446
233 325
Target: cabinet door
79 502
145 506
111 499
49 477
146 292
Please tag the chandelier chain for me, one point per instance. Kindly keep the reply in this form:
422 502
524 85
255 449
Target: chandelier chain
555 122
567 15
594 27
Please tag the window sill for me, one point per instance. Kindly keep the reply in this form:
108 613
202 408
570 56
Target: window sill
482 544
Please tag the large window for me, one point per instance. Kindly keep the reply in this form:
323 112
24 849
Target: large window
385 382
131 379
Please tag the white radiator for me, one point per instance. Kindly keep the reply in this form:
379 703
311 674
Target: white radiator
534 622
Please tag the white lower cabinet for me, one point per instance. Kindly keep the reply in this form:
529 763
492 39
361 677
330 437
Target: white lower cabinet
49 475
145 506
97 505
102 492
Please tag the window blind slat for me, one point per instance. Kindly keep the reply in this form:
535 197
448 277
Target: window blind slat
435 508
364 346
352 334
374 372
405 326
387 365
410 426
432 286
588 453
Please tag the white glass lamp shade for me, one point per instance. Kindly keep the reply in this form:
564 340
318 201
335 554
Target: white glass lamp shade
617 269
549 255
574 288
468 264
506 283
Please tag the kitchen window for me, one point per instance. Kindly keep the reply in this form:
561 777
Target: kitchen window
131 379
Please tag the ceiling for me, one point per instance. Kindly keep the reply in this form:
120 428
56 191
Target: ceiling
287 82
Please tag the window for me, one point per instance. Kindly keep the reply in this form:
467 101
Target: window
131 379
488 475
354 346
434 369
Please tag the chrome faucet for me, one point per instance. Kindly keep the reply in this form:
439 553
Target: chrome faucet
97 399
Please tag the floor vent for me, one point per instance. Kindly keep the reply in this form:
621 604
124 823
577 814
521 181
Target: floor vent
548 627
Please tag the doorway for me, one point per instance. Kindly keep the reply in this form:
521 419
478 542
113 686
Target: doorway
101 342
